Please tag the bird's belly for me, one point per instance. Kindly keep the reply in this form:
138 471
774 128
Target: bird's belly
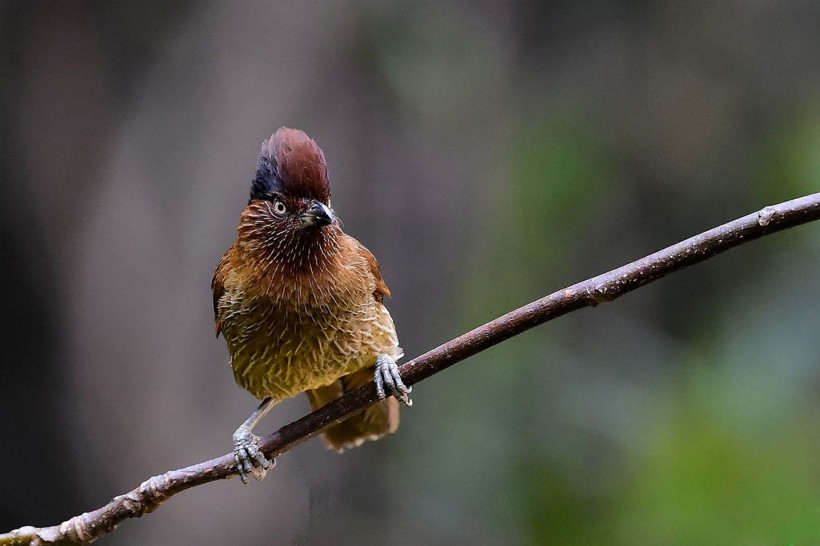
282 371
291 356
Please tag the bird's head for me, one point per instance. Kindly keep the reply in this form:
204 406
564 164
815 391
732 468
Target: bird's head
289 214
292 177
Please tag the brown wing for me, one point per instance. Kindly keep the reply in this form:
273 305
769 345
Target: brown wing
381 288
218 288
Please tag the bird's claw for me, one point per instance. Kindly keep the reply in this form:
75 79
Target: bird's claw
387 373
249 460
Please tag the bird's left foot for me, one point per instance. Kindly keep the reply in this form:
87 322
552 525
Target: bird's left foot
387 373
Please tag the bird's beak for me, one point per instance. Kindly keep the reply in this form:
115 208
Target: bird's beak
318 214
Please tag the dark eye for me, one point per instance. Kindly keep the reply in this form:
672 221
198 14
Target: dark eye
279 208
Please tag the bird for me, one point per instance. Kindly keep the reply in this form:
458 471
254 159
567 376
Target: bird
300 304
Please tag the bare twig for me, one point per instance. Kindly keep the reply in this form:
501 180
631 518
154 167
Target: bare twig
603 288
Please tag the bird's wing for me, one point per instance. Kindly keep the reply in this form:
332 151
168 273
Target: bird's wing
218 288
381 290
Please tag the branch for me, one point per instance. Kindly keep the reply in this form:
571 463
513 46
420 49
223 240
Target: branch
606 287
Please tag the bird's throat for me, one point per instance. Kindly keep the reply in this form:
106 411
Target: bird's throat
293 252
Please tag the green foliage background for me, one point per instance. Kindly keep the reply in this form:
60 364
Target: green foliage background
488 154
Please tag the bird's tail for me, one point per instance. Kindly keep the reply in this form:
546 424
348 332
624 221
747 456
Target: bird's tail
371 424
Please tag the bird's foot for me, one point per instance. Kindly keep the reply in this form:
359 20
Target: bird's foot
249 460
387 373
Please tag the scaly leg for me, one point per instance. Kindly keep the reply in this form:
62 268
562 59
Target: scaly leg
249 460
387 373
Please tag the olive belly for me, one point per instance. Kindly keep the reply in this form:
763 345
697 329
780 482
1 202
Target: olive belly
284 358
269 371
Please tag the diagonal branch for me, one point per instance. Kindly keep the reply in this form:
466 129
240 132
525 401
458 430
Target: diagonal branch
606 287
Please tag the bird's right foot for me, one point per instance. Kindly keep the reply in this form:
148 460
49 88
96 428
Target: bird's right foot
249 460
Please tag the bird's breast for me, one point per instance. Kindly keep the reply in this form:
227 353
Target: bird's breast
299 337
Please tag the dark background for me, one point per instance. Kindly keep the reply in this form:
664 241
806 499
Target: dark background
487 153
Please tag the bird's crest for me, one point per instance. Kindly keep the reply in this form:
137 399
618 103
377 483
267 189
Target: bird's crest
292 164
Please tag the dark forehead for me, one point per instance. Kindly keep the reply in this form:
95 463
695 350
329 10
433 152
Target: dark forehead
293 164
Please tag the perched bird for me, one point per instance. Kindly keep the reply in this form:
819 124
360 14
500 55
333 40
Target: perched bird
300 303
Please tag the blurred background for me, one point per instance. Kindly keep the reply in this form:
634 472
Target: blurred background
488 153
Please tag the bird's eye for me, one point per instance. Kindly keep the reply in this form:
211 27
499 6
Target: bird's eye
279 208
